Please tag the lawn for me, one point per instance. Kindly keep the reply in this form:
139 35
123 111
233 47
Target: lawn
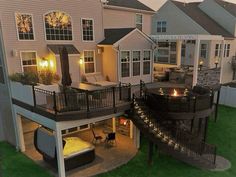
222 134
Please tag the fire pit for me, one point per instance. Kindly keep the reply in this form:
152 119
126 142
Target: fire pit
180 100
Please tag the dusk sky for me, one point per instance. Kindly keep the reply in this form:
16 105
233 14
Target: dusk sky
156 4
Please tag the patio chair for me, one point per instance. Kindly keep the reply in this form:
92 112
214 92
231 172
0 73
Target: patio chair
110 139
96 138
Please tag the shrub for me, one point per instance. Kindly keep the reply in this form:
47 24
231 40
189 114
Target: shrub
28 78
48 77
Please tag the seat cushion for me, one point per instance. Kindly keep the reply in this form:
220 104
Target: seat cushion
90 79
99 77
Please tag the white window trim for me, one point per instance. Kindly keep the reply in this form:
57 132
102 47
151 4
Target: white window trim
140 62
161 26
226 50
207 47
136 20
168 56
81 25
146 61
94 61
219 50
130 70
22 66
44 27
17 31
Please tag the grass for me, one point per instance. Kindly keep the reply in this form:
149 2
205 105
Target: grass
222 134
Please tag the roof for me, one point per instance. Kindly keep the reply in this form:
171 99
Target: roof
230 7
194 12
115 34
56 48
133 4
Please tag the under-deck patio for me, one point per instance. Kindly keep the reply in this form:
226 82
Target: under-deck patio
107 157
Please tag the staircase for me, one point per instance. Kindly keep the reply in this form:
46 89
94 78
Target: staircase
180 146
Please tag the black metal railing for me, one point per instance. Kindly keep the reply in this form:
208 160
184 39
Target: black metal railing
82 100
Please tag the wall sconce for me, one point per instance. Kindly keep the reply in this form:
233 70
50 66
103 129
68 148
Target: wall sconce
81 61
216 61
44 63
201 64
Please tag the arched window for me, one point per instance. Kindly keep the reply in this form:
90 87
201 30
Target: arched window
58 26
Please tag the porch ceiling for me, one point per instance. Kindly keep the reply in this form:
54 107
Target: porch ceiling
187 37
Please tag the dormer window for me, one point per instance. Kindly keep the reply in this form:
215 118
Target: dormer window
161 26
24 24
58 26
139 21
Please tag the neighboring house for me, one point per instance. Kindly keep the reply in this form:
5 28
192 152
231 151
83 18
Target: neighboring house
188 20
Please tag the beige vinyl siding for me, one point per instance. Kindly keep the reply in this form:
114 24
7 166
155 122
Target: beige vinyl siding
76 9
125 19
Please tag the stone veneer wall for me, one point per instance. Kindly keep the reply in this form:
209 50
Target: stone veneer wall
209 77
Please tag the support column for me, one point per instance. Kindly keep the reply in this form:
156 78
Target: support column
20 133
131 134
60 156
136 139
221 60
113 124
196 62
179 50
150 152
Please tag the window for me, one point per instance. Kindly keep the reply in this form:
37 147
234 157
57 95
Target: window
139 21
218 50
136 63
89 64
146 62
166 53
125 63
29 63
58 26
87 25
227 50
24 23
161 26
203 51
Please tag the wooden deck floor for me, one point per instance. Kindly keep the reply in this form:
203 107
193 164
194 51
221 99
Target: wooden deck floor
106 158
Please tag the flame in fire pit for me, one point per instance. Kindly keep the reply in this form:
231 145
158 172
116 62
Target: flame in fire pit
175 93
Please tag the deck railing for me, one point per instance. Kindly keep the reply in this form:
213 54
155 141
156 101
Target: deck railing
81 100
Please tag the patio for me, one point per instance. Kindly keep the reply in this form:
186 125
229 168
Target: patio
107 158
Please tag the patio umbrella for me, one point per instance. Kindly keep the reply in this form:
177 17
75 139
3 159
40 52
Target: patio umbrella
65 70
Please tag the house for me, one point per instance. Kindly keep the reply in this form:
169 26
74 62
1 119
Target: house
39 37
181 24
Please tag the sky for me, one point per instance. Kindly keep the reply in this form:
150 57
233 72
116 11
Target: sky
156 4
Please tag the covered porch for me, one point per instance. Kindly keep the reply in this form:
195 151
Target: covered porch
188 60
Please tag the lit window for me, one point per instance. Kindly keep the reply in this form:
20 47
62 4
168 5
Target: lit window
136 63
89 65
161 26
227 50
203 51
125 63
166 53
139 21
218 50
24 23
58 26
146 62
29 63
87 25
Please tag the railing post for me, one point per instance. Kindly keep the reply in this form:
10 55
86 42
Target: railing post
215 156
87 100
129 92
55 102
34 97
114 98
120 91
141 88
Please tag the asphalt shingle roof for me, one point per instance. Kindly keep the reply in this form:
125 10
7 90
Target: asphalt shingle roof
194 12
115 34
230 7
56 48
133 4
